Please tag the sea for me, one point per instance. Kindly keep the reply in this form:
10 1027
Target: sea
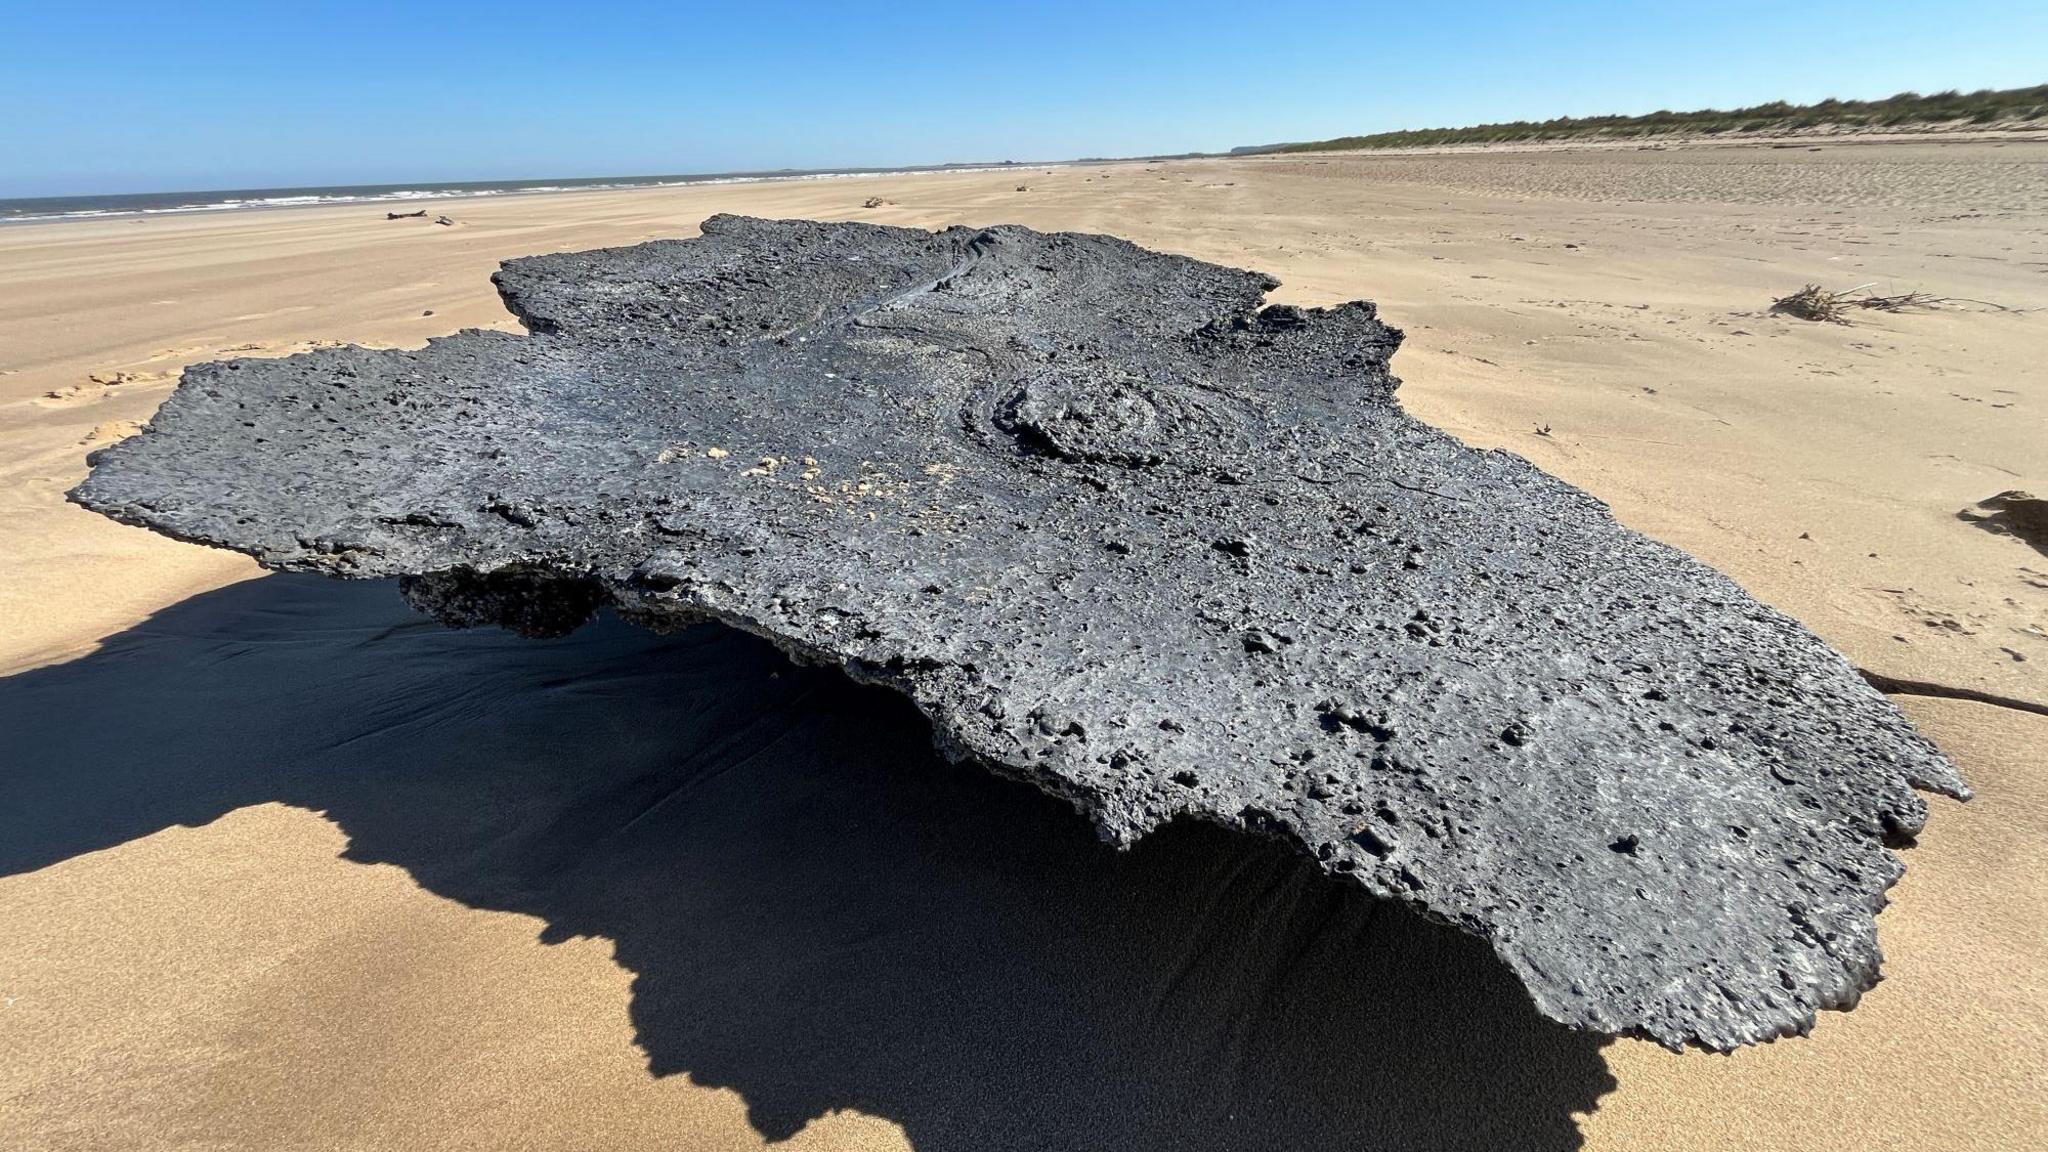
35 208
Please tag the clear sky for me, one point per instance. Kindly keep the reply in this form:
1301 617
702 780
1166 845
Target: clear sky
110 97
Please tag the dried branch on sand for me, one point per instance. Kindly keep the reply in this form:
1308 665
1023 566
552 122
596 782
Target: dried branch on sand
1816 303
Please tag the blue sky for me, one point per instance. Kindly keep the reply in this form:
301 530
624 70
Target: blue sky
108 97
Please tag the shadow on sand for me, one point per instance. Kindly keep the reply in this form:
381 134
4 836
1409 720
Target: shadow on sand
819 912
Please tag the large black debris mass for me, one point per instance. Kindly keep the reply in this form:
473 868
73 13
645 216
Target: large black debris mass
1121 531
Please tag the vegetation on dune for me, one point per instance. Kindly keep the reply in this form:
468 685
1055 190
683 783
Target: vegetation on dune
1905 109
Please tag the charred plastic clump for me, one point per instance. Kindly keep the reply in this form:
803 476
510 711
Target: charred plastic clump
1121 531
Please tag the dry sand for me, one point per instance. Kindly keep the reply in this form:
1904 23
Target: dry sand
282 867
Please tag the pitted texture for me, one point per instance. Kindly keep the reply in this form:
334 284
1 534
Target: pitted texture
1120 532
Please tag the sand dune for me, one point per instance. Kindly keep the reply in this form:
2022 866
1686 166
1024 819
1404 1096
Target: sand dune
285 866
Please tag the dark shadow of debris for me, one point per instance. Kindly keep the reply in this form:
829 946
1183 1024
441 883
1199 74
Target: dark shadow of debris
820 913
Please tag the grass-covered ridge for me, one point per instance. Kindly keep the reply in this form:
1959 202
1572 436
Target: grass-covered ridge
1903 110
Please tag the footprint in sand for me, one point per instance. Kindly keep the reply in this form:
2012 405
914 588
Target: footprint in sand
69 396
1929 615
287 348
96 387
110 431
117 379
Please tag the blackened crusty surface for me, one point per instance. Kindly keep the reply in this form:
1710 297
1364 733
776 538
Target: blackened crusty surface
1120 532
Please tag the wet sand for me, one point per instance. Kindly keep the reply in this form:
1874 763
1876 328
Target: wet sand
282 866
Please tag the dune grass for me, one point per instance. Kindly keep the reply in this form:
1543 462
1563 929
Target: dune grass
1906 109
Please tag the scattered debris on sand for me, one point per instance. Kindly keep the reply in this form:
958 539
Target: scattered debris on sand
2014 513
1123 530
421 214
876 202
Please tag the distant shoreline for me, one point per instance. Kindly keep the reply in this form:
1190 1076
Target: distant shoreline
55 209
50 209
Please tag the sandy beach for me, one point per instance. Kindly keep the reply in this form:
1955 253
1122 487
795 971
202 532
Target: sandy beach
282 865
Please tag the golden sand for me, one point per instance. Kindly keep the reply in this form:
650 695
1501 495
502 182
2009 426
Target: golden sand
240 984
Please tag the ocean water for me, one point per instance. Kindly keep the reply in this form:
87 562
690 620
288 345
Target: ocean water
232 199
